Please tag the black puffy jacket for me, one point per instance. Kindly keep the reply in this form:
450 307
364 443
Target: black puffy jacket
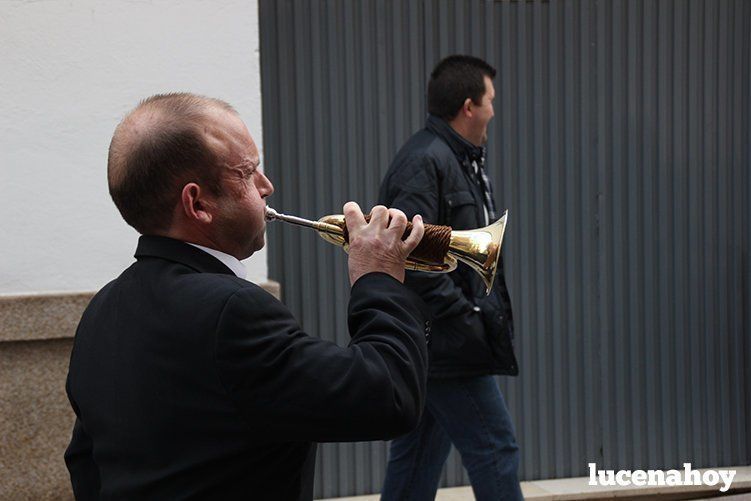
432 176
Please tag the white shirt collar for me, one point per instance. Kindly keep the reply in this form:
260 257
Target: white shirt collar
231 262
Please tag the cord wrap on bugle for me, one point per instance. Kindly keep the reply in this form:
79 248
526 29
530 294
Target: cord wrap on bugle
432 248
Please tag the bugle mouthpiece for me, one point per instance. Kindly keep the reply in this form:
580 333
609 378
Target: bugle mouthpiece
271 214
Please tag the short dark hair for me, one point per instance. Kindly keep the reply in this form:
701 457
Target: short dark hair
455 79
159 146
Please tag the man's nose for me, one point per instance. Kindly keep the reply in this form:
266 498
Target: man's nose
267 188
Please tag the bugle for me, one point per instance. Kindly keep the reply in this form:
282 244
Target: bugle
438 252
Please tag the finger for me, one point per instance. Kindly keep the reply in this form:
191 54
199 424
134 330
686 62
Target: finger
380 216
353 217
418 230
397 222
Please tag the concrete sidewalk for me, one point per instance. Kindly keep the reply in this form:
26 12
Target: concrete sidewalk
579 488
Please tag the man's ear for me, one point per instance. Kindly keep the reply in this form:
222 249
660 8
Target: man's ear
194 203
467 107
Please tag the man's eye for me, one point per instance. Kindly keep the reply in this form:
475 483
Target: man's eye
245 173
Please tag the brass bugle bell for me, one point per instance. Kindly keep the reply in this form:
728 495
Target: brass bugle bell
480 249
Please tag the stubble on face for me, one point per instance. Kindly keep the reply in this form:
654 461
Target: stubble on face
487 104
240 213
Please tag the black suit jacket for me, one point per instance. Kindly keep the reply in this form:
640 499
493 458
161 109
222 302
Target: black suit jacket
190 383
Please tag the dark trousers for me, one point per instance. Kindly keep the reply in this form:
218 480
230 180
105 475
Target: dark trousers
471 414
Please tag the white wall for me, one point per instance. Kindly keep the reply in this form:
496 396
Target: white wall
69 71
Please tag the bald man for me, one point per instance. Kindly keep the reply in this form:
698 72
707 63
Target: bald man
189 382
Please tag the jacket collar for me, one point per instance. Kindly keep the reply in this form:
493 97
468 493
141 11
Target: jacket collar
180 252
462 148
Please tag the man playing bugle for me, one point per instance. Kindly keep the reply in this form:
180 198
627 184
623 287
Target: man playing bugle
188 381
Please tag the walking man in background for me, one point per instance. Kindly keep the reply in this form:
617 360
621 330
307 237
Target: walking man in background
440 174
